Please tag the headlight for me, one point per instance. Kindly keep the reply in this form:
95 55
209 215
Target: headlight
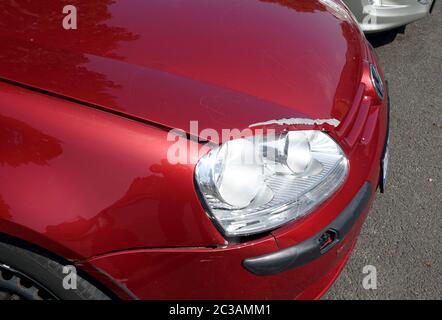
256 184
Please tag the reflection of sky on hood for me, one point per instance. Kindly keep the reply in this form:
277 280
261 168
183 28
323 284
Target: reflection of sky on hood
336 9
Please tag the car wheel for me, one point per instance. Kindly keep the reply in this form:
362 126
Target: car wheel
27 275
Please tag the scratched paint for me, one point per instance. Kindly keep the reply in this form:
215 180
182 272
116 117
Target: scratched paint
297 121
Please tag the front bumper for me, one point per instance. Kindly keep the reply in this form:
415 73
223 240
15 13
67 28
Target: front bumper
392 14
315 247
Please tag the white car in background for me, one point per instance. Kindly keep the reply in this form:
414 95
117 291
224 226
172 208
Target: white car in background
381 15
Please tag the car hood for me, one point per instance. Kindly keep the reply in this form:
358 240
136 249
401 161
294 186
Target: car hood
226 64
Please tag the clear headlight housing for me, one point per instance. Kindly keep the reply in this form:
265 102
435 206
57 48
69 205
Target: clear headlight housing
252 185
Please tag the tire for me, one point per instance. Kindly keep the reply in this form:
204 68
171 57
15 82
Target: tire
27 275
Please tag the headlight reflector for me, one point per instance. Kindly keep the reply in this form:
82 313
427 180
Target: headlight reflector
256 184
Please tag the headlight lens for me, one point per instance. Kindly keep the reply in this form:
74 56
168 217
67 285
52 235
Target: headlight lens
256 184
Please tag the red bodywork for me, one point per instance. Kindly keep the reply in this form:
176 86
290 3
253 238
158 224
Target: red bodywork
84 117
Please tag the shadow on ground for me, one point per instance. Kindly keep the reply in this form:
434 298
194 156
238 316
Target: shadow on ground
383 38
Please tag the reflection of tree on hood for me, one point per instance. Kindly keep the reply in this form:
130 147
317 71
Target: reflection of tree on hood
35 43
21 144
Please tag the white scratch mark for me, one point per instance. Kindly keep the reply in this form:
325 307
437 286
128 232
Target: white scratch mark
297 121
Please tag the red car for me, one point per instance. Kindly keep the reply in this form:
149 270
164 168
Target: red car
105 176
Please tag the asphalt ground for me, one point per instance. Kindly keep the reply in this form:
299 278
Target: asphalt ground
402 236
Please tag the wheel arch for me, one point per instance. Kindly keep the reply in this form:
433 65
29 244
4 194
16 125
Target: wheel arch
97 278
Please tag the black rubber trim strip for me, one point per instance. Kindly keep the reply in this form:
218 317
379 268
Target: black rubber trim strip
384 150
309 249
432 6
